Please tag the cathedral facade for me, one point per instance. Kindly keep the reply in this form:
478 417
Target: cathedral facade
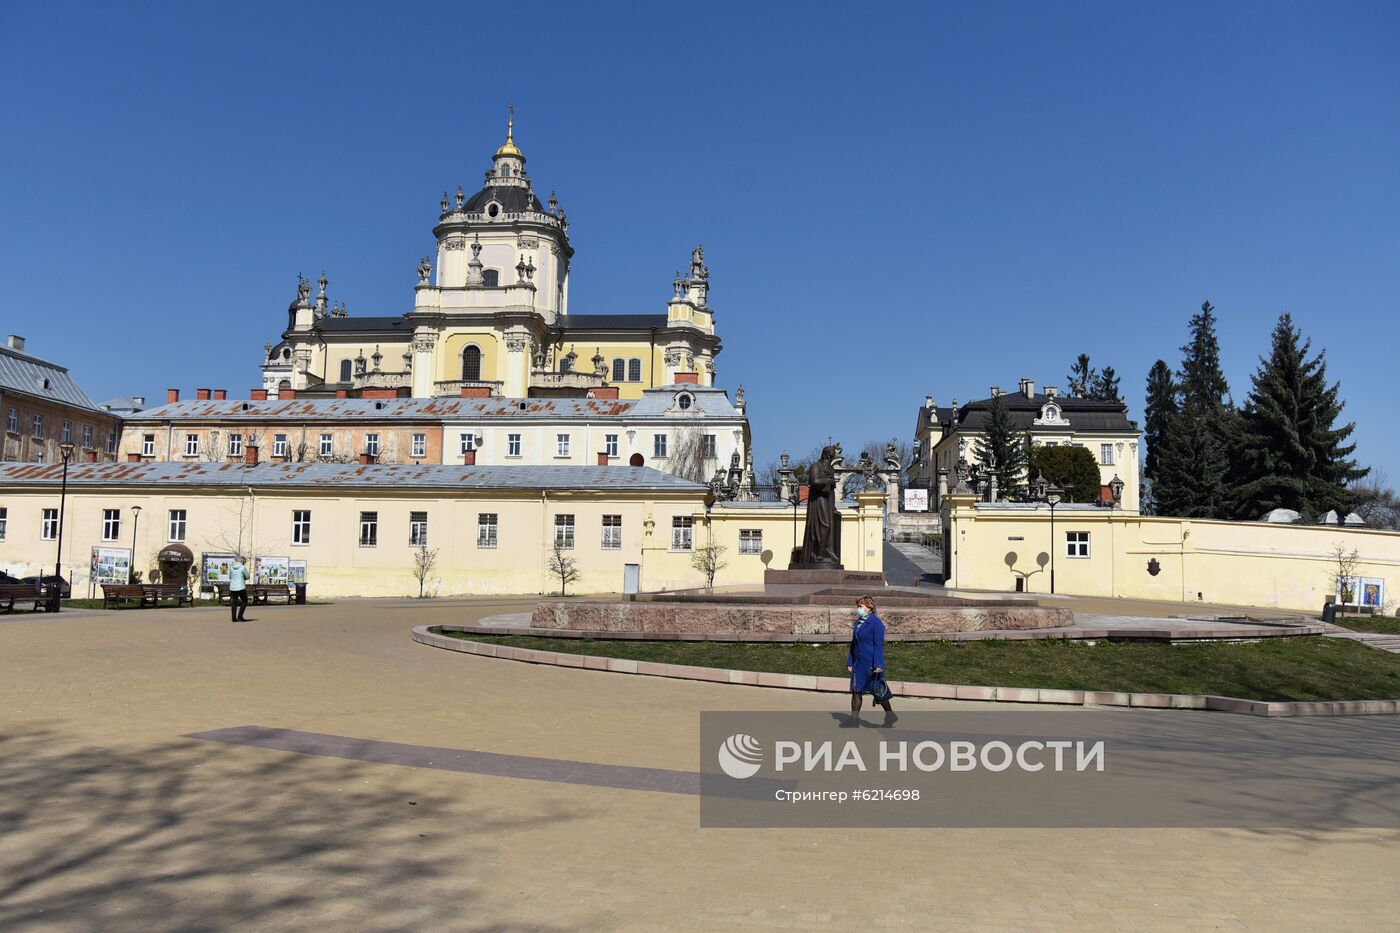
490 317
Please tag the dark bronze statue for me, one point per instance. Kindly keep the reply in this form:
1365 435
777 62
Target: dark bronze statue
821 542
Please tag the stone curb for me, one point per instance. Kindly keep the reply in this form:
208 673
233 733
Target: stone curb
424 635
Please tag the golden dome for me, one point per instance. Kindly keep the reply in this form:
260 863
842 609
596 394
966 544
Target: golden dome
508 147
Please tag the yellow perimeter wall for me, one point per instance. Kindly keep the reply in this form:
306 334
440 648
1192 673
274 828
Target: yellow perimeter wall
1235 563
219 518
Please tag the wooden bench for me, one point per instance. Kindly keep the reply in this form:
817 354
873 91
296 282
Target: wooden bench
153 593
259 594
11 593
114 594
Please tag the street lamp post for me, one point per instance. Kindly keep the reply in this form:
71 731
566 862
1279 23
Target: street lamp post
135 520
66 449
1052 496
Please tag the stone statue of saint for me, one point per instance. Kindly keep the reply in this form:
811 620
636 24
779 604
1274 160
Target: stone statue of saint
820 540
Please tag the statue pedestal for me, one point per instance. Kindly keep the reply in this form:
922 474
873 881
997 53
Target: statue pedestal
824 576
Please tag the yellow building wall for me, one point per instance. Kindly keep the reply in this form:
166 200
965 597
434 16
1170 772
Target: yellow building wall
223 521
447 358
1234 563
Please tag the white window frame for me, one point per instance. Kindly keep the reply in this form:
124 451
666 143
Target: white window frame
659 445
372 443
420 445
369 529
512 445
37 423
682 533
612 532
417 529
111 442
709 446
279 445
466 442
327 445
610 444
488 530
1105 455
561 445
87 437
48 524
111 524
235 445
65 435
750 540
12 421
191 445
148 445
301 527
4 521
178 525
1077 544
564 532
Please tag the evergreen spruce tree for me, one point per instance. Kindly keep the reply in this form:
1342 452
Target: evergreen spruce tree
1191 465
1082 377
1001 451
1290 455
1158 413
1106 386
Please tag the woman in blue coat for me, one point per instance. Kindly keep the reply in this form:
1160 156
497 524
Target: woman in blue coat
867 655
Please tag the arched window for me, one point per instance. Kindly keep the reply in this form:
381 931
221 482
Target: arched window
619 370
491 278
471 364
634 370
344 370
505 169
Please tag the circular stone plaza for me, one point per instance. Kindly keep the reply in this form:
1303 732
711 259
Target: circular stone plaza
332 767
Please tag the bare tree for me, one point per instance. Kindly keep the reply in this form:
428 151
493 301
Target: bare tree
709 560
424 563
690 459
1343 574
1377 503
564 567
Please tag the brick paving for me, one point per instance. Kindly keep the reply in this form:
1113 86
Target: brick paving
113 819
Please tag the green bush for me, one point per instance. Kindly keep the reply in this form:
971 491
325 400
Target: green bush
1070 467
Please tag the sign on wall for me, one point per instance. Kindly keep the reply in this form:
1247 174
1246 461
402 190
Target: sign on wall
111 565
272 571
216 568
1364 592
916 500
297 571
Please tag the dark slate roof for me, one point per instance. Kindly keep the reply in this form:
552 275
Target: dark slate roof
29 375
346 476
611 321
512 198
342 324
1080 414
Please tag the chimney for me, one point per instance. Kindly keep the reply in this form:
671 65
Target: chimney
1051 391
90 456
138 402
250 454
996 391
258 395
476 391
172 395
1028 388
342 393
469 458
220 395
366 458
133 457
16 342
602 459
286 393
688 379
201 395
603 392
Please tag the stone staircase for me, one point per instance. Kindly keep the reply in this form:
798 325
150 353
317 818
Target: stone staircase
1376 640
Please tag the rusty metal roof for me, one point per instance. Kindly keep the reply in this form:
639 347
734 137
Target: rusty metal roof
329 475
386 409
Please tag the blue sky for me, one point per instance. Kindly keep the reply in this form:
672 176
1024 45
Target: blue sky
910 199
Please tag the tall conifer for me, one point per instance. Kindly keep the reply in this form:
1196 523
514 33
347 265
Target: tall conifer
1082 377
1289 454
1001 451
1158 413
1106 386
1191 464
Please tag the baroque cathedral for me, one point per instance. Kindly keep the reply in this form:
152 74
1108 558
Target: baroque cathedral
490 317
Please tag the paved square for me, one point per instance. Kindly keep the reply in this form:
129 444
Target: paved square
112 819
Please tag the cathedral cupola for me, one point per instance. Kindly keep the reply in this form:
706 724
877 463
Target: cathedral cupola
509 161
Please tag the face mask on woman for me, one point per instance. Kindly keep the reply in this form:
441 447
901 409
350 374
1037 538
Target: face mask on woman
862 611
